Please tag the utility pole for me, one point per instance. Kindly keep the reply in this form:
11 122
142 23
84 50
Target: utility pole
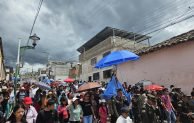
17 69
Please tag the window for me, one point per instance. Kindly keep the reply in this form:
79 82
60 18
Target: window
96 76
43 72
106 53
107 74
90 78
93 61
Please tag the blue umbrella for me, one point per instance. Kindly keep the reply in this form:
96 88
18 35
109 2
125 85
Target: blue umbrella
117 57
43 85
47 80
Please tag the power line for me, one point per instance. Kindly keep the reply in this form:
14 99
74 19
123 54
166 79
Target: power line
36 16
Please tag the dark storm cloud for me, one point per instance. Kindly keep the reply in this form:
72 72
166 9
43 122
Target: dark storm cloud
64 25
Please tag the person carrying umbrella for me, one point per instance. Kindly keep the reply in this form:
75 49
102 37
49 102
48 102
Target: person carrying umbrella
88 111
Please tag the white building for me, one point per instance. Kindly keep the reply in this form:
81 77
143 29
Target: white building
58 70
106 41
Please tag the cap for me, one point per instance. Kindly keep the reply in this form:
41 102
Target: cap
124 110
74 99
27 100
102 101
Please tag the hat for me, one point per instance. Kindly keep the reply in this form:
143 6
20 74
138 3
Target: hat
4 87
74 99
102 101
27 100
124 110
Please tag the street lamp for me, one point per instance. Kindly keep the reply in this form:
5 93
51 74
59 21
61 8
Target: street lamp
21 50
34 38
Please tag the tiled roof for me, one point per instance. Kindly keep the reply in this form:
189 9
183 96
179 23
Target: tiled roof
188 36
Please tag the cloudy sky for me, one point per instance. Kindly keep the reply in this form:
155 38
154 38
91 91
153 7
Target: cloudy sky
64 25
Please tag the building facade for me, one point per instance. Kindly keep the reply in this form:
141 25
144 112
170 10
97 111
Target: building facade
2 66
106 41
58 70
9 73
167 63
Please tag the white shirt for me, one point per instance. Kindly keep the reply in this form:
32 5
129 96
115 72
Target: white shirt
31 114
121 119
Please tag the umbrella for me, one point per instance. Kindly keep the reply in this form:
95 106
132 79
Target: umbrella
55 83
117 57
153 87
43 85
46 80
88 86
63 83
69 80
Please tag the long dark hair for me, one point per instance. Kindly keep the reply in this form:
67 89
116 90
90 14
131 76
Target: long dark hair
12 118
62 100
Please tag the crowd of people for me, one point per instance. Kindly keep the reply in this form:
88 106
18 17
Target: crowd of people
62 104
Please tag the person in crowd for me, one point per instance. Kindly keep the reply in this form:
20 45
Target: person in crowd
75 111
62 110
18 115
37 96
171 88
103 111
125 85
150 110
191 107
94 105
49 114
88 111
70 97
183 110
30 111
2 119
121 100
124 117
160 106
168 107
59 91
41 104
52 95
21 94
116 104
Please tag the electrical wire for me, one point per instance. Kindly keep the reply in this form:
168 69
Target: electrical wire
36 16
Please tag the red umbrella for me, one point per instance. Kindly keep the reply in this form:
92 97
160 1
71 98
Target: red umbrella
69 80
153 87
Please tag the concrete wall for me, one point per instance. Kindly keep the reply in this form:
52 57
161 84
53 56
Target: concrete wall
171 65
109 44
